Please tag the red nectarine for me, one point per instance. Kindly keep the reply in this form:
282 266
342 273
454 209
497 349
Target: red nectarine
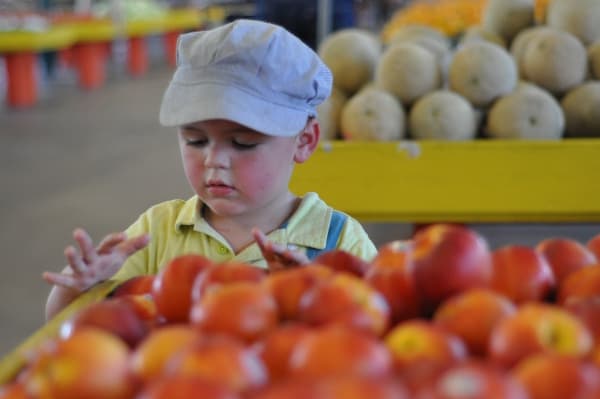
172 286
449 259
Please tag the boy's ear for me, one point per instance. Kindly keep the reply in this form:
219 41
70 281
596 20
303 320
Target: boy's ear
307 141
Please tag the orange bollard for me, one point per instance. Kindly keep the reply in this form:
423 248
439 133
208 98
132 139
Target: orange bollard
66 58
137 56
21 80
90 61
170 42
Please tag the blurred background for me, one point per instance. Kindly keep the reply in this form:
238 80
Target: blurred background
88 151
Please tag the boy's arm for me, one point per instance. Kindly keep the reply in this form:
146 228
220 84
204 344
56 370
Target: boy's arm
88 267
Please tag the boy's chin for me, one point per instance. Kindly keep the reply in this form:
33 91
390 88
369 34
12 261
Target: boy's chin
222 208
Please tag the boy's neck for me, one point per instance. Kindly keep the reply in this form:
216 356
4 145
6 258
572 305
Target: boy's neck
238 230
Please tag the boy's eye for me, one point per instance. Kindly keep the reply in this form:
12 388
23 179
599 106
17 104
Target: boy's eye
243 146
196 142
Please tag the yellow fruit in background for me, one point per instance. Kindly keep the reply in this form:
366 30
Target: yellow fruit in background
352 56
578 17
329 113
508 17
373 114
408 71
442 115
594 59
519 45
478 32
527 113
581 106
555 60
481 72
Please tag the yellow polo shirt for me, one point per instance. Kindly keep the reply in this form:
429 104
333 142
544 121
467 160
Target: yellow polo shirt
176 228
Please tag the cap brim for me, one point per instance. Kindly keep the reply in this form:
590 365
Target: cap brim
184 104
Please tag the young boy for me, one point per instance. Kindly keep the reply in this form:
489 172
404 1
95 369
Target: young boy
244 99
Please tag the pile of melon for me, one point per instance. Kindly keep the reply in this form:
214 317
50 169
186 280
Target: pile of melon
510 77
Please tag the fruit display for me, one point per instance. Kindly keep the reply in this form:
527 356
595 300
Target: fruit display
484 53
451 17
441 315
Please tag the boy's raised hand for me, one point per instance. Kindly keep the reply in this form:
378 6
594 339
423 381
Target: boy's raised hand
278 256
92 265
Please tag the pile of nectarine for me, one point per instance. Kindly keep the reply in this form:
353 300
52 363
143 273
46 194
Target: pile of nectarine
440 316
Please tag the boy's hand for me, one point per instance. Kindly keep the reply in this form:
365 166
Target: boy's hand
278 256
91 265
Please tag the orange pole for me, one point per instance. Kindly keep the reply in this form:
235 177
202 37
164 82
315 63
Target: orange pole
90 61
66 58
22 83
170 42
137 56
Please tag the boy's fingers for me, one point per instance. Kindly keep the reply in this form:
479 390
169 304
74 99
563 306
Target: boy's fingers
88 252
75 261
260 238
134 244
110 241
59 279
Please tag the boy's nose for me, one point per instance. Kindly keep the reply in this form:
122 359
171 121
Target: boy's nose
216 157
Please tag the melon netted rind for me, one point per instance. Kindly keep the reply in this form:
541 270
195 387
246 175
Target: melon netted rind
578 17
329 114
481 72
442 115
373 114
352 55
581 106
478 32
508 17
529 113
555 60
408 71
518 46
594 59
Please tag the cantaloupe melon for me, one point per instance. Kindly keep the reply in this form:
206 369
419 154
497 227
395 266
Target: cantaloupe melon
508 17
352 55
442 115
481 72
581 106
527 113
594 59
417 32
442 52
579 17
408 71
329 114
519 45
555 60
373 114
478 32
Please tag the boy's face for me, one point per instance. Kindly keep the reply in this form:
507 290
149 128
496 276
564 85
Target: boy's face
236 170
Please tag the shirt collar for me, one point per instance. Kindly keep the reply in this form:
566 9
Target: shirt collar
307 227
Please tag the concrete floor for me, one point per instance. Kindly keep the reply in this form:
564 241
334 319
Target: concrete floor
97 160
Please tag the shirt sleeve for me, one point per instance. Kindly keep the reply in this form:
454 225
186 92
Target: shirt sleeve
355 240
137 263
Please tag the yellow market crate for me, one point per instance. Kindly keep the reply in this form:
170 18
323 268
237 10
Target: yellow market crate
472 181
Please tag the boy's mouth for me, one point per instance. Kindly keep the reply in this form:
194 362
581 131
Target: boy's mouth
217 183
218 188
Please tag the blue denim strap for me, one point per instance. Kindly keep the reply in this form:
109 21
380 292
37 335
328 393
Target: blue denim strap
336 224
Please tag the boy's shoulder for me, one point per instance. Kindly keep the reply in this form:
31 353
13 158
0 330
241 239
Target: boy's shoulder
177 211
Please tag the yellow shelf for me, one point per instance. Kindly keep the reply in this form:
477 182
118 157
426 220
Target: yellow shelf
66 34
475 181
52 39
